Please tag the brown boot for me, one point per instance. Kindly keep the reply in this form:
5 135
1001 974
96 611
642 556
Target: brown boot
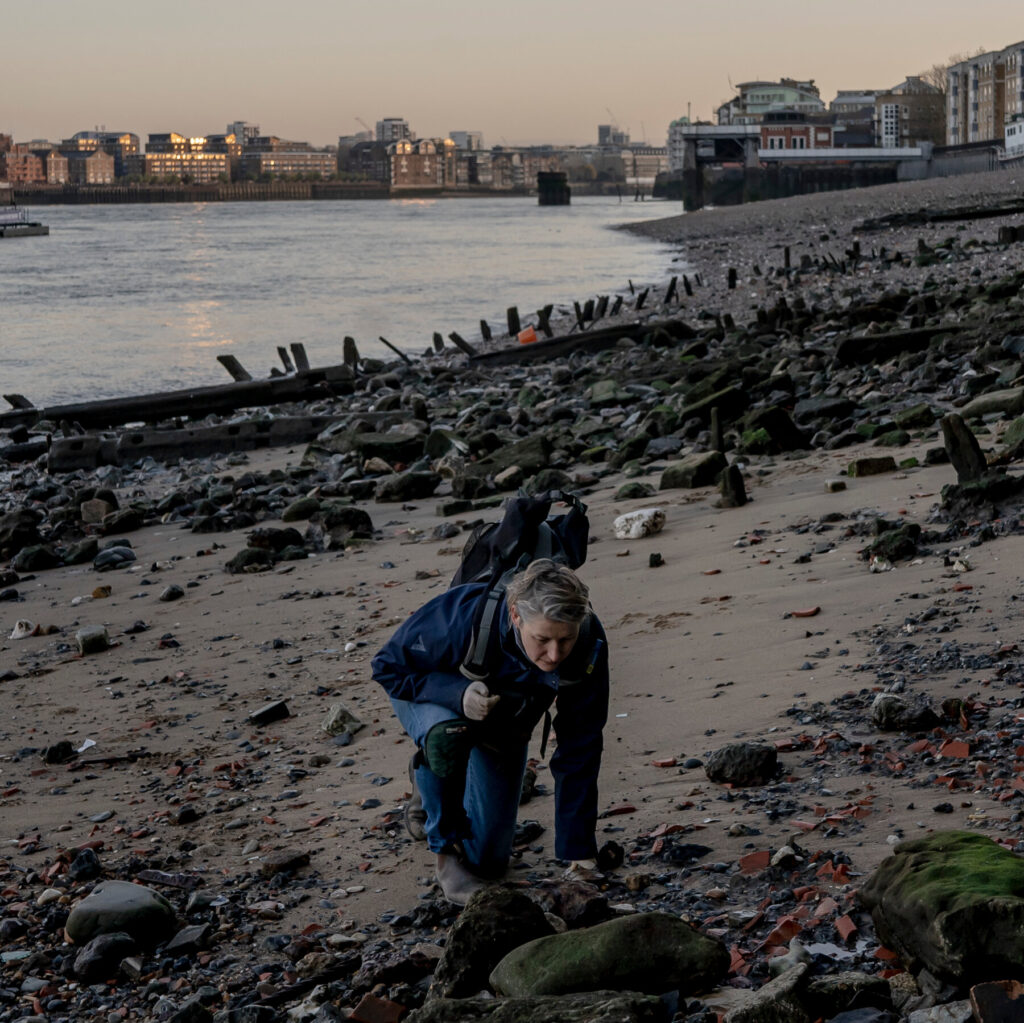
457 881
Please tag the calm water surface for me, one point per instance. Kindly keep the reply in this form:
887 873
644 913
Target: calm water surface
126 299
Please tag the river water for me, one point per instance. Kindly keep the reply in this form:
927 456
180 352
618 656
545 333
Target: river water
134 298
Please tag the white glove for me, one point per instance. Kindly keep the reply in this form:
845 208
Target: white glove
477 701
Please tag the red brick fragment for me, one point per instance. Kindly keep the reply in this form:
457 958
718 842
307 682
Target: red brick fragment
372 1009
846 928
755 861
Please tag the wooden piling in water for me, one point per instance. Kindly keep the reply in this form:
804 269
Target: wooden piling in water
543 318
438 342
350 353
234 367
512 314
286 359
300 357
485 330
398 351
462 344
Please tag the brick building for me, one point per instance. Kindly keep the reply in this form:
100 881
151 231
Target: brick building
790 130
90 167
909 113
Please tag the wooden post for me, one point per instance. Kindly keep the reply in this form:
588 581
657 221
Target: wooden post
234 367
286 359
632 290
513 321
601 308
671 293
732 278
18 401
579 314
616 305
588 310
785 257
299 355
543 316
717 442
687 286
350 353
485 330
641 298
462 344
398 351
438 342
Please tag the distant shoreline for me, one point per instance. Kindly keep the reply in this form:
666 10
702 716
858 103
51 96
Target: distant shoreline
275 191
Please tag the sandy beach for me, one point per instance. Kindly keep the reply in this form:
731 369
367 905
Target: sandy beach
764 622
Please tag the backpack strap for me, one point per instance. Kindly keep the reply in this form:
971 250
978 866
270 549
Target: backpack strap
486 631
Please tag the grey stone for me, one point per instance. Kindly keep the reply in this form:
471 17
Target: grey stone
301 509
530 454
171 593
495 921
120 906
649 952
92 639
19 528
82 551
951 1012
250 559
340 719
742 763
830 993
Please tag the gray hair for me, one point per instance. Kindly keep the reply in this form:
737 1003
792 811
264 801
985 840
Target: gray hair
546 589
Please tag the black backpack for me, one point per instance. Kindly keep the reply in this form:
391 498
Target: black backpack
497 551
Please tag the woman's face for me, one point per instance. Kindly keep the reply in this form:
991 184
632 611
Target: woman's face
545 642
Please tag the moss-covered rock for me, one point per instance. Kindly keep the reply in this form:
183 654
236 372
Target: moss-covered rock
952 903
589 1007
698 470
649 952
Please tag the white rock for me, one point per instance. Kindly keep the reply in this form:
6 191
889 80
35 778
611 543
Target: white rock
47 896
23 628
636 524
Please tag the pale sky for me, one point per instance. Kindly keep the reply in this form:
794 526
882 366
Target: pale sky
520 71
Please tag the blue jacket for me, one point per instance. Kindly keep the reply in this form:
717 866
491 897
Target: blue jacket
421 661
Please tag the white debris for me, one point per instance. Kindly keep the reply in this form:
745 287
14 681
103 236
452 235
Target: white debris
636 524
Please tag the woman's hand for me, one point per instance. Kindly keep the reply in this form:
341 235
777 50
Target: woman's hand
477 701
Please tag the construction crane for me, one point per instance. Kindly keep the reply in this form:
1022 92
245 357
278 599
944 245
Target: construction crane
365 125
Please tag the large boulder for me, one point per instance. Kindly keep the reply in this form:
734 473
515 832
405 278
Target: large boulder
1009 402
121 906
648 952
742 763
697 470
778 1001
589 1007
495 921
952 903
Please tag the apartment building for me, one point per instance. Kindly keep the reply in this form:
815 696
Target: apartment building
983 94
783 129
90 167
119 144
393 129
909 113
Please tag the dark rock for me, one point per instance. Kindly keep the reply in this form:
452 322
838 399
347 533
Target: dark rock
1009 402
250 559
779 431
188 940
578 903
406 486
742 763
276 710
81 552
731 403
495 921
549 479
589 1007
270 539
917 417
99 960
301 509
634 491
113 557
85 866
963 449
874 466
832 409
982 496
779 1001
649 952
894 544
344 521
833 992
19 528
120 906
59 753
697 470
999 1002
284 862
36 558
125 520
951 903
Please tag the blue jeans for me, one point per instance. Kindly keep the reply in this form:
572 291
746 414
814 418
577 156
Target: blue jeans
477 811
